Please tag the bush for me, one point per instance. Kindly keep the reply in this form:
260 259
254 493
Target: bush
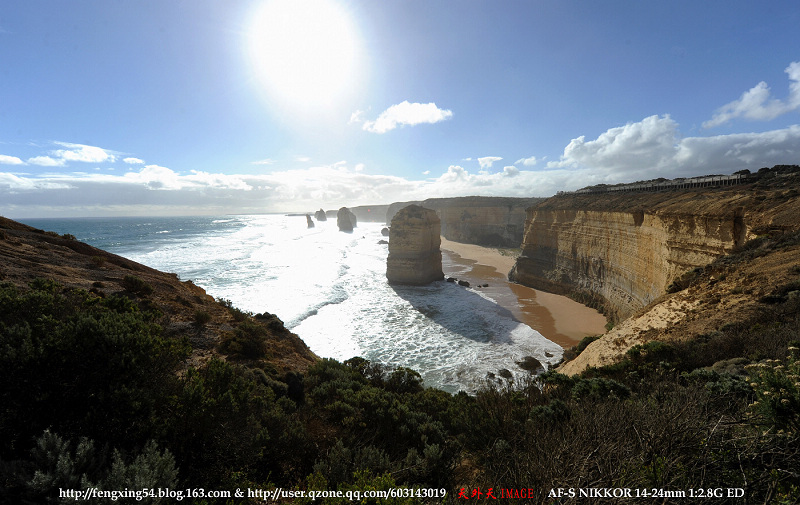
201 317
247 341
49 335
777 389
56 466
137 285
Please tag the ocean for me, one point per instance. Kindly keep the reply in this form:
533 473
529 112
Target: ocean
330 288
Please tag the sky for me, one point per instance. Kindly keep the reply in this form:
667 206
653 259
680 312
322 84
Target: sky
190 107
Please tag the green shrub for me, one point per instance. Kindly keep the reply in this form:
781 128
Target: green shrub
49 335
201 317
137 285
248 341
776 385
57 466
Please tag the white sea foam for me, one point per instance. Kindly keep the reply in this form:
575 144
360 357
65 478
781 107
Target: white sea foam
330 288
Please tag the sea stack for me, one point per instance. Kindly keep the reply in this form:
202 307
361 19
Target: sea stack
414 240
346 220
320 215
309 221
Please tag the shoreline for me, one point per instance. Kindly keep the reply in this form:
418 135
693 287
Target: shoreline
558 318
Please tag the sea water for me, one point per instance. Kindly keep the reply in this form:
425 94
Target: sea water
330 288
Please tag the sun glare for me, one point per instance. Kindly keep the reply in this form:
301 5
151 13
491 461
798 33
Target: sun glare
305 52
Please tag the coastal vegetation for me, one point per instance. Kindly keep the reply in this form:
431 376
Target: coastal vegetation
97 393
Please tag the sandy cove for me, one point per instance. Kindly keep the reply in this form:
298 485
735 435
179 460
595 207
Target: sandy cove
557 317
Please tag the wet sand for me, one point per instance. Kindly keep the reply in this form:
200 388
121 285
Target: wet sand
558 318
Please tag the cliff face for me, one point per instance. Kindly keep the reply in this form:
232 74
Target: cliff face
366 213
626 249
486 221
414 254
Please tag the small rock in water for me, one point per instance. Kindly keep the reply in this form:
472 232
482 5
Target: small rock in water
463 283
530 364
505 373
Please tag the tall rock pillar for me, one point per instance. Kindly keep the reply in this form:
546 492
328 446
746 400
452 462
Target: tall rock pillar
414 240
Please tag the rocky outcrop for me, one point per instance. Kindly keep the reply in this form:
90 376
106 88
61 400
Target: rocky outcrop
414 254
320 215
486 221
626 249
309 222
346 220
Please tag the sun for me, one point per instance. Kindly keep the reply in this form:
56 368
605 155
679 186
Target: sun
306 53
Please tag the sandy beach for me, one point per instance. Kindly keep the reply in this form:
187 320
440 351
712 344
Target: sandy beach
557 317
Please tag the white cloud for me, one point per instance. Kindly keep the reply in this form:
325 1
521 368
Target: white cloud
487 161
46 161
647 145
73 152
10 160
528 162
404 114
756 103
511 171
266 161
83 153
133 161
356 117
654 147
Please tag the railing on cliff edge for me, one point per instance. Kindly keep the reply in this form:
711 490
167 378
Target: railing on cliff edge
684 183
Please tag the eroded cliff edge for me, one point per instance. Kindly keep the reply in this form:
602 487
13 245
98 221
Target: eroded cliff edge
625 249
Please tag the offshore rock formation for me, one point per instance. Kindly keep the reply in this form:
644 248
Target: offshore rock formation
309 222
414 254
625 250
346 220
320 215
486 221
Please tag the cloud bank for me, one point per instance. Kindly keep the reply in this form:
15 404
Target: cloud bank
650 148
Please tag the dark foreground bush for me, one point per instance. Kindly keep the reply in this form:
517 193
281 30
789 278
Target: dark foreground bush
100 374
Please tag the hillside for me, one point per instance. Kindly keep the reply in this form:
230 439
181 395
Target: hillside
188 311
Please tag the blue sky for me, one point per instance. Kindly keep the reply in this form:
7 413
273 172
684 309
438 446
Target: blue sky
206 107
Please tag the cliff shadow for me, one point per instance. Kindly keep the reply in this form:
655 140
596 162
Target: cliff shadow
461 311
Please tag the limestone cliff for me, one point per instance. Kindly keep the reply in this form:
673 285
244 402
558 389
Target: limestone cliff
414 254
486 221
366 213
627 248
